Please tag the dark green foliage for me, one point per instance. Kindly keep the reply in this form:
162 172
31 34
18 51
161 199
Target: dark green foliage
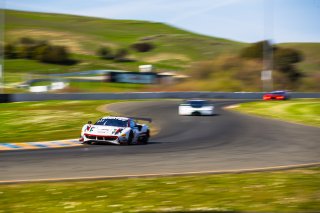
10 51
121 55
53 54
29 48
285 57
1 50
256 50
105 53
284 60
142 47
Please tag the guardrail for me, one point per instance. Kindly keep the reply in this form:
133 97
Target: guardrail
142 95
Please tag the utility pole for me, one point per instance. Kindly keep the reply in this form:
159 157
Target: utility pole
2 48
266 73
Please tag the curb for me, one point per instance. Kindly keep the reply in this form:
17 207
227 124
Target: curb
39 145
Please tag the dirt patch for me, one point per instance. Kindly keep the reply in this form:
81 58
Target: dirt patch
166 56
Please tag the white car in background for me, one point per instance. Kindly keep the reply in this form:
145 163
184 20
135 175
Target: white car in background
196 107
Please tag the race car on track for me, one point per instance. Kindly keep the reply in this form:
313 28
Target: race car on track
276 95
116 130
196 107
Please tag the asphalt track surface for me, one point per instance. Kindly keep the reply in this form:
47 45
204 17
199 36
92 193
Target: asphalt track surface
227 141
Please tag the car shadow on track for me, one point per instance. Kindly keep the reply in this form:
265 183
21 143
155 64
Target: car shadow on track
217 114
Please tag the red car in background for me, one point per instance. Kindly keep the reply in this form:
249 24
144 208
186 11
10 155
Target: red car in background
276 95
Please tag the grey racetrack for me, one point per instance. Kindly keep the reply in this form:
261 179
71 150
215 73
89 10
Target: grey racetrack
226 141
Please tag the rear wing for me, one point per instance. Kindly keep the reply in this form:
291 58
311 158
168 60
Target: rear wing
142 119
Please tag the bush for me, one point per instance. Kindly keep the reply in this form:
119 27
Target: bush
142 47
38 50
121 55
53 54
284 61
10 51
1 50
285 57
256 50
105 53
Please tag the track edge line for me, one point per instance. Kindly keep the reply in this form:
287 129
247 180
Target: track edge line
95 178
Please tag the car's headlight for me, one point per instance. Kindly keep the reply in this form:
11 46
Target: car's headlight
124 135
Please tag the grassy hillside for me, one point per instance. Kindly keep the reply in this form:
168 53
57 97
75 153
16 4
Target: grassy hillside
83 35
175 49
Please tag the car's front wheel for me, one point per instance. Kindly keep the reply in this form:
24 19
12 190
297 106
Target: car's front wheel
145 139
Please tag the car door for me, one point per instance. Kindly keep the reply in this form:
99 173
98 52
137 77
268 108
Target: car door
135 130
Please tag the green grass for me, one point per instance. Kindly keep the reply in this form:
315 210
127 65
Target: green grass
282 191
105 87
175 49
304 111
83 36
47 120
97 86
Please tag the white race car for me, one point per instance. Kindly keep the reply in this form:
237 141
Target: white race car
116 130
196 107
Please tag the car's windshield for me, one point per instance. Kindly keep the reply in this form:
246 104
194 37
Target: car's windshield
112 122
197 104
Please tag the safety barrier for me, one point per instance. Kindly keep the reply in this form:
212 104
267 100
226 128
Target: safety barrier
142 95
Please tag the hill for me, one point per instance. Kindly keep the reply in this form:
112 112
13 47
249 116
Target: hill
175 49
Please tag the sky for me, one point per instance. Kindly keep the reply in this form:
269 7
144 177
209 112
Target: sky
240 20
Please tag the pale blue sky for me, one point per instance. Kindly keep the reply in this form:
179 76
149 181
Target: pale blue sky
241 20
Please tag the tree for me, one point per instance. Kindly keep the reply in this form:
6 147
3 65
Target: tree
142 47
284 61
10 51
53 54
256 50
38 50
105 53
121 55
284 58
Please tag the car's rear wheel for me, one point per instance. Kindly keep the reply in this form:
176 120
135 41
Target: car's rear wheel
145 139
